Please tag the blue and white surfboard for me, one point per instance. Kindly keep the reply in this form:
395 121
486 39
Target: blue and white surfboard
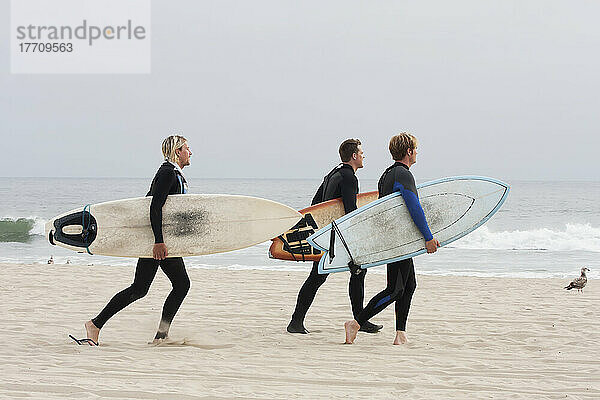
383 231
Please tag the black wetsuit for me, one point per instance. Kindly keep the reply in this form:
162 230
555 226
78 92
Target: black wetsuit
401 281
340 182
168 180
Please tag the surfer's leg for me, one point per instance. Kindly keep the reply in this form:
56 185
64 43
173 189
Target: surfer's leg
305 298
356 290
381 300
144 275
407 272
174 268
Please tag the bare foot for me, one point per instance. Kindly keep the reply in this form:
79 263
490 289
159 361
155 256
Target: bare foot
158 341
92 331
161 335
351 328
400 338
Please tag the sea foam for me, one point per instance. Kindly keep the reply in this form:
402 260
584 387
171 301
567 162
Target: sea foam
574 237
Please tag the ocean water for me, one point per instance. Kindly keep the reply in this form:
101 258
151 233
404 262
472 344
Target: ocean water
545 229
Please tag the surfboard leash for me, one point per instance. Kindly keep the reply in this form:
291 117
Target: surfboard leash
354 268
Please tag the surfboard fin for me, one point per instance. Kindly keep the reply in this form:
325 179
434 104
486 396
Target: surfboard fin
354 269
332 244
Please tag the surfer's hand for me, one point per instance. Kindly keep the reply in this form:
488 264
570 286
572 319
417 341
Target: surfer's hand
432 245
159 251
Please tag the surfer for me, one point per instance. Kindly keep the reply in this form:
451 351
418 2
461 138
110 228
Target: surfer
340 182
168 180
401 281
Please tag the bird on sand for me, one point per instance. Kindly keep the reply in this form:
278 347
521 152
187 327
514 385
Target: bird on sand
579 283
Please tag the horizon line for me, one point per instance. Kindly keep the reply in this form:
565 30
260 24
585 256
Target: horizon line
277 178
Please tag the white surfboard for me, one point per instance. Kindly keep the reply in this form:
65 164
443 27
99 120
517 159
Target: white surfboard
383 231
193 224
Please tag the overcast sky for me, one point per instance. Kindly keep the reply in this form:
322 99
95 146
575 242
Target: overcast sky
508 89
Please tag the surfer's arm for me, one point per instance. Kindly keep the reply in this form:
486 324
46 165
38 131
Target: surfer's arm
162 185
414 208
349 189
318 196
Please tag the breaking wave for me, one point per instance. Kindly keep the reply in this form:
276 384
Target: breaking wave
574 237
20 229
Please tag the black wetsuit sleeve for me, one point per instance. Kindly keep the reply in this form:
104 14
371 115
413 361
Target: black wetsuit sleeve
161 187
349 189
318 198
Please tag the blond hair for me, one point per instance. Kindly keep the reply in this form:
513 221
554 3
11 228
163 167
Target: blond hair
400 144
170 144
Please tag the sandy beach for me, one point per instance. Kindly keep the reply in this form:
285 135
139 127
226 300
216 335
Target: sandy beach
470 338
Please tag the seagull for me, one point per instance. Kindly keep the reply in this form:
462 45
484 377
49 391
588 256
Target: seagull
579 283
